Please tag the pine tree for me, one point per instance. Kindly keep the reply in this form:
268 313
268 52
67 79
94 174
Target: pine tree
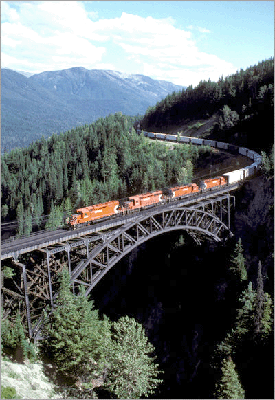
20 218
55 218
132 371
245 314
263 308
229 385
73 334
238 262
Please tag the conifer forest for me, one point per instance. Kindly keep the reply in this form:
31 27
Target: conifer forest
201 324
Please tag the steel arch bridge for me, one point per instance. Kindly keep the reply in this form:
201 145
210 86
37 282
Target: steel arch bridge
90 253
108 249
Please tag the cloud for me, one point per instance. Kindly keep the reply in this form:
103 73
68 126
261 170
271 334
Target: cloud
51 35
198 28
45 36
203 30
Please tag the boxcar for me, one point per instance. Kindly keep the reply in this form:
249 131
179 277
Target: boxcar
197 141
233 149
212 143
234 176
160 136
222 145
185 139
171 138
250 154
243 151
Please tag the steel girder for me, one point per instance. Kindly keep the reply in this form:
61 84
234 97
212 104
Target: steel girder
110 249
90 256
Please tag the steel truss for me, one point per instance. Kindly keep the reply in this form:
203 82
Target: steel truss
90 256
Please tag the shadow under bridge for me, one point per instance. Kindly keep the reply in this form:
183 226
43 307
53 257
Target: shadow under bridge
208 218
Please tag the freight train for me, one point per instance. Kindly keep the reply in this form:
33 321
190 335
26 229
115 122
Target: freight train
90 214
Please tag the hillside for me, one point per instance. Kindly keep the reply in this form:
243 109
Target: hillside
53 102
237 109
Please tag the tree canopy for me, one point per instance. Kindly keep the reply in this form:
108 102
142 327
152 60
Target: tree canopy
87 165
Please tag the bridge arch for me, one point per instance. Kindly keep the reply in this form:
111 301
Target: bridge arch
112 247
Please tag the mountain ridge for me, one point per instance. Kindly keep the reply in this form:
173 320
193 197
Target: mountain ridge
56 101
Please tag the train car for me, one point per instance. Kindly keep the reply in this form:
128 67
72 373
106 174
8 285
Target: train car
212 143
179 191
213 182
144 200
258 161
257 157
151 135
234 176
160 136
243 151
250 170
171 138
94 212
250 154
197 141
233 149
222 145
185 139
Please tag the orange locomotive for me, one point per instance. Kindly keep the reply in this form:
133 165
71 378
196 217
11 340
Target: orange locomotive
179 191
92 213
95 212
144 200
209 183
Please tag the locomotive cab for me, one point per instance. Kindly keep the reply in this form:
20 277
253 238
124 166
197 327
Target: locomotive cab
74 220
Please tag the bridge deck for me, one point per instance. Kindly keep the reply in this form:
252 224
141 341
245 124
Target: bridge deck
39 240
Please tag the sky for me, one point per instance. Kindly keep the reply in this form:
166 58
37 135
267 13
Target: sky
183 42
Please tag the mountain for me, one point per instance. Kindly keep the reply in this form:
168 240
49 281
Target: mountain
56 101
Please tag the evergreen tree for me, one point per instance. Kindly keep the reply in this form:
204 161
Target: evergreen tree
13 336
245 314
20 218
132 372
72 332
263 308
229 385
55 218
4 211
238 262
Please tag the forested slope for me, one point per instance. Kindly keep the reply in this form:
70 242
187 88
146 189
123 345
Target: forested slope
242 103
87 165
